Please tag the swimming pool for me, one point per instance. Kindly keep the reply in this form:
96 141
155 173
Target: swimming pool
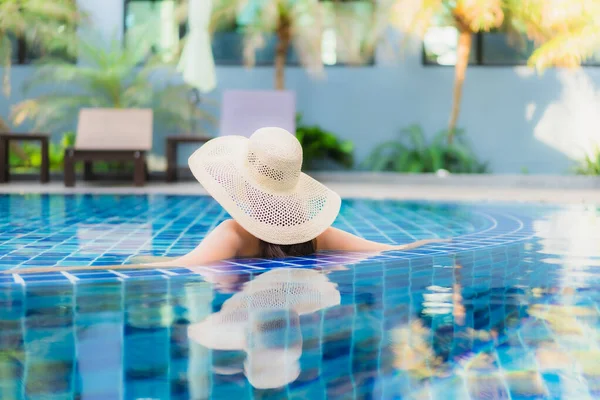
509 309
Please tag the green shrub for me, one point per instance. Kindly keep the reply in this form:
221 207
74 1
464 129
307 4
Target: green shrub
319 145
30 156
590 165
412 153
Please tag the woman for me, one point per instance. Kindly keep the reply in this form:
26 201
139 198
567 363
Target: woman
277 210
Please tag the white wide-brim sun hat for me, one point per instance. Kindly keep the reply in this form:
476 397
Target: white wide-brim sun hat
258 181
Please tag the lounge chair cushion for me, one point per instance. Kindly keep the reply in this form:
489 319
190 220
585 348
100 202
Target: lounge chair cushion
114 129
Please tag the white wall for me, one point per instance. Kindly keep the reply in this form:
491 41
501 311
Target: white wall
515 119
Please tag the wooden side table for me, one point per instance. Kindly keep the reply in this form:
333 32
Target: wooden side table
6 138
172 143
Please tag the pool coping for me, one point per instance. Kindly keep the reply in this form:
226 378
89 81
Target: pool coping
563 181
400 187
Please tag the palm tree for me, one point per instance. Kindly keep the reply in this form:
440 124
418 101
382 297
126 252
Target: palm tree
565 31
294 22
47 26
302 24
111 77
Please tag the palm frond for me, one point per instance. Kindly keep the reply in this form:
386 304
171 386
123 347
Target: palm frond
415 136
307 32
415 16
47 26
262 21
50 25
12 19
224 13
61 10
479 15
53 110
566 31
384 157
174 112
370 29
567 50
137 94
57 72
257 20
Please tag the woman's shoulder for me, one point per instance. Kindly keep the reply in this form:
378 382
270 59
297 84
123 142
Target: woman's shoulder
232 229
232 226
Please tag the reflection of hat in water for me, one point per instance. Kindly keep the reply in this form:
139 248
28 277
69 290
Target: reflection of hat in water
258 180
263 320
273 348
301 290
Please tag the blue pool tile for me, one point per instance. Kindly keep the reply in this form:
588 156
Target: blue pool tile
31 278
388 302
98 275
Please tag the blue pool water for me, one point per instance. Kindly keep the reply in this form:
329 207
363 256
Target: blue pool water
508 309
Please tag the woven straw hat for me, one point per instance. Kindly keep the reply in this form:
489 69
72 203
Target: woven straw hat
259 183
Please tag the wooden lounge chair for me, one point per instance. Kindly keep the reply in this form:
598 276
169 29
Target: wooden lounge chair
105 134
242 113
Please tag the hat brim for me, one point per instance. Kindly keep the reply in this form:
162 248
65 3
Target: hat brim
219 166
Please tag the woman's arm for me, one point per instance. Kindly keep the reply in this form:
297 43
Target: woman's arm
419 243
224 242
336 239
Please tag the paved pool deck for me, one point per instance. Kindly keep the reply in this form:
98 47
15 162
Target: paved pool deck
503 188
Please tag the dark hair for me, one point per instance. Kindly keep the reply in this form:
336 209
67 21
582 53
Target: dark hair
270 250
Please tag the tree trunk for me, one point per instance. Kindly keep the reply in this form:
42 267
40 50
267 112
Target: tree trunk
283 44
465 42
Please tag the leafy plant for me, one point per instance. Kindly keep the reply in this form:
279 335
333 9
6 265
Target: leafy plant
413 154
590 165
31 156
46 26
113 77
321 145
566 32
